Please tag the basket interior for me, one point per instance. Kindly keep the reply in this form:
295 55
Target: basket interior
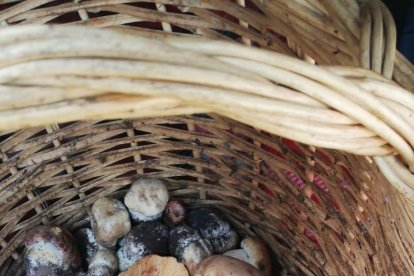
318 211
321 212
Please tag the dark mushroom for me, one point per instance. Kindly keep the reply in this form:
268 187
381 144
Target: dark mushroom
147 238
87 243
103 263
213 228
189 247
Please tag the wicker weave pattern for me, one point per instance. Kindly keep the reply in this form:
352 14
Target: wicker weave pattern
334 27
330 204
324 212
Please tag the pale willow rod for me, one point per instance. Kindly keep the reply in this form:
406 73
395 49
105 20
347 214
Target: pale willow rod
337 92
103 74
185 91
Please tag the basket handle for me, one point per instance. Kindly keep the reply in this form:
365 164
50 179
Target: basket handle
54 74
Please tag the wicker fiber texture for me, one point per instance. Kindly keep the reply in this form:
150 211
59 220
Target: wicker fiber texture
322 212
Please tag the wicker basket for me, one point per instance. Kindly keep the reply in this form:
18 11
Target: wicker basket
323 206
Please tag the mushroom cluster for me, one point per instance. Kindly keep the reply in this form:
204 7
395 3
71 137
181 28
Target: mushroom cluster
146 233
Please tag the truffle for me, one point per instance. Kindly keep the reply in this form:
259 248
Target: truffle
144 239
213 228
187 245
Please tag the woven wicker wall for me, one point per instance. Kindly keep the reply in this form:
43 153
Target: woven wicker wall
322 212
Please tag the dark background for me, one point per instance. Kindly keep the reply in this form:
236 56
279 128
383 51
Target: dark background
403 13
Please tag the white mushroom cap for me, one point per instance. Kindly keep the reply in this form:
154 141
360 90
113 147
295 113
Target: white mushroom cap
224 265
195 253
147 198
103 263
257 254
110 221
42 256
138 217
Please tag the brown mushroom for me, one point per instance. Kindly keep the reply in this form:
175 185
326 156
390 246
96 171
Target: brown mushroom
147 198
174 213
103 263
50 250
155 265
220 265
253 252
110 221
258 255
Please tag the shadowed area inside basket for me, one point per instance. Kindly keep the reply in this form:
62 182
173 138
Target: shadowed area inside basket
265 185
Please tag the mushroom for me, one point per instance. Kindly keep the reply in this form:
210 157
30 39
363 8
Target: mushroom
220 265
110 221
103 263
195 253
174 213
255 253
239 254
155 265
146 199
187 245
147 238
213 228
87 243
50 250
